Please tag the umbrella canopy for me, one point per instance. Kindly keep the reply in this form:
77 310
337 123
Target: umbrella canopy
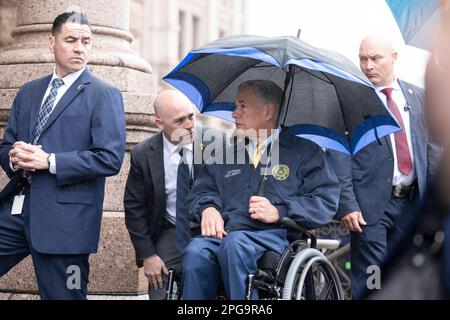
417 20
328 100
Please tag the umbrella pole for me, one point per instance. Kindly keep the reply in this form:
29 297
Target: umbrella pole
263 183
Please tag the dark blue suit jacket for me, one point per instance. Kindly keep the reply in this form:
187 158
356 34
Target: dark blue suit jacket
86 132
366 178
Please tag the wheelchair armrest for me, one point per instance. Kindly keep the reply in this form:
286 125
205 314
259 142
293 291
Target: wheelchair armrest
291 224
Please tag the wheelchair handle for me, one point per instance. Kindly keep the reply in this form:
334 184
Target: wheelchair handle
291 224
169 288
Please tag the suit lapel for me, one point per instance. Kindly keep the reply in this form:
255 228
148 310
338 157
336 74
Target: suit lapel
75 89
408 93
155 161
415 114
36 101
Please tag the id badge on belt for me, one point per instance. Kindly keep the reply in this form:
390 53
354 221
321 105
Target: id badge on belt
18 204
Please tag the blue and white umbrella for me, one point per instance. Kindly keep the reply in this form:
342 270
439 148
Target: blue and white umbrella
326 97
418 20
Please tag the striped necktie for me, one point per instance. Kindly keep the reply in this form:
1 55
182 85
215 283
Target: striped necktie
46 109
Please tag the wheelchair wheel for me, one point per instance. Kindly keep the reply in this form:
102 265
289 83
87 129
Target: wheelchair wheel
312 277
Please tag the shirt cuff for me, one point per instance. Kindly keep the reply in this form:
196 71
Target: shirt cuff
52 163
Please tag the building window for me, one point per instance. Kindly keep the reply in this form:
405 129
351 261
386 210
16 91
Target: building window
181 33
195 31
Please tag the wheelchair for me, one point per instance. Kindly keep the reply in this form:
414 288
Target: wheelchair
302 272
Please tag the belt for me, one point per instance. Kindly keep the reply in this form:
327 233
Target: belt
402 191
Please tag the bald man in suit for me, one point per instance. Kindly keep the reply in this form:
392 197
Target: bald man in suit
153 203
380 184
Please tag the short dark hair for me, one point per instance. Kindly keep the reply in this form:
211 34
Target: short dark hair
73 17
266 90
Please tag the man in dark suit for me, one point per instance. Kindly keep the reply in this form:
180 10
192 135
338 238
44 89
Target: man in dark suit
418 268
381 182
65 134
154 196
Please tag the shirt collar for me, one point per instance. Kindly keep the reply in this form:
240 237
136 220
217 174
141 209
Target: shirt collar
68 79
269 139
171 148
394 85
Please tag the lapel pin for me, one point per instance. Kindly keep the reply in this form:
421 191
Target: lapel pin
410 91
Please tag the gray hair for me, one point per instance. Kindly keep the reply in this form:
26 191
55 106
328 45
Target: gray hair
267 91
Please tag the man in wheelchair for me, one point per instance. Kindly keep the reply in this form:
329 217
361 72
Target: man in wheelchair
237 226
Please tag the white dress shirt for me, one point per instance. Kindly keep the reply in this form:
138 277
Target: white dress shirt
171 161
399 98
68 82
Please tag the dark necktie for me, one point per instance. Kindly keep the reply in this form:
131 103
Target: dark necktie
46 109
184 180
404 161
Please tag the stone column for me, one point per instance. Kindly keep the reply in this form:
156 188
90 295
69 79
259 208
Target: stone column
213 25
7 21
113 269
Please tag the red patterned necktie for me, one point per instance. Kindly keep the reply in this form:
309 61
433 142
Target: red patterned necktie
401 143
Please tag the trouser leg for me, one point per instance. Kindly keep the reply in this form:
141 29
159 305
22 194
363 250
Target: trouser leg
238 256
13 242
201 271
61 277
166 250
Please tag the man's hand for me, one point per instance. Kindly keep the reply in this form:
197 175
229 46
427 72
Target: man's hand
152 269
353 221
28 157
212 224
261 209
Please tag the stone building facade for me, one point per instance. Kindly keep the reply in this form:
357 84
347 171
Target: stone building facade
166 30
